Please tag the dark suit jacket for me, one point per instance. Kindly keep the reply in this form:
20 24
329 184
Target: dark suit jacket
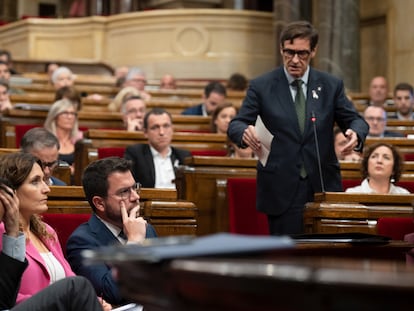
143 167
392 134
269 96
11 271
195 111
57 181
92 235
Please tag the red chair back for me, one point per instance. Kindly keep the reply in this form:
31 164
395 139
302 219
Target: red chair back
64 225
21 129
209 153
395 227
349 183
105 152
243 216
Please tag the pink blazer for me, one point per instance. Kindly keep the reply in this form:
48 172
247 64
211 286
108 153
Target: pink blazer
36 276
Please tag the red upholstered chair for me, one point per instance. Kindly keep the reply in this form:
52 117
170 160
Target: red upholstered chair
64 225
21 129
209 153
409 185
348 183
243 216
395 227
408 156
105 152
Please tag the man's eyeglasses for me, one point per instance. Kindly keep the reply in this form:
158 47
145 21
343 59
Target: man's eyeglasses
125 193
51 165
377 119
302 54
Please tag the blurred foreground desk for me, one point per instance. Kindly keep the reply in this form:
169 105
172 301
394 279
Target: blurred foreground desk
279 278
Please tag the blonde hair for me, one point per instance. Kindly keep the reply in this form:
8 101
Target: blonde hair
115 105
57 108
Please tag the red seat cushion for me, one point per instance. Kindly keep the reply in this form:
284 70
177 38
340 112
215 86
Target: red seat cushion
21 129
64 225
409 185
209 153
243 216
349 183
395 227
105 152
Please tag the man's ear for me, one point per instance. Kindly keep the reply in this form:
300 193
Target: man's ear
99 203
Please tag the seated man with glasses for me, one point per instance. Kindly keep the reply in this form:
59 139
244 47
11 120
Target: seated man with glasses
45 146
113 196
154 164
133 111
376 117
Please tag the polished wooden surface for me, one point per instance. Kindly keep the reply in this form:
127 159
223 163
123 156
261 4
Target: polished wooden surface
334 212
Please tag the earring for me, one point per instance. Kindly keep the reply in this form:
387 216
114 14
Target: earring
392 180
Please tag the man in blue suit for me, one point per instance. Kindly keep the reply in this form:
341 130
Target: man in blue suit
297 104
214 95
113 195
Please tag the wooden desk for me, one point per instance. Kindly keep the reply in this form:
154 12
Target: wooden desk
334 212
159 207
203 181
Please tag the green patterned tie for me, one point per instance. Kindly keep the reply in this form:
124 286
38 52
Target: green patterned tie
300 103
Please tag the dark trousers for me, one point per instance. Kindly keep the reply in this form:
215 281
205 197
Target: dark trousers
291 221
72 293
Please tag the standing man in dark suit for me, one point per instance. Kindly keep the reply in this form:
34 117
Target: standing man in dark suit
291 175
113 196
153 164
214 94
73 293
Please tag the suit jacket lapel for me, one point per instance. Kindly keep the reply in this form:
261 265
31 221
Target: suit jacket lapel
149 161
312 99
99 229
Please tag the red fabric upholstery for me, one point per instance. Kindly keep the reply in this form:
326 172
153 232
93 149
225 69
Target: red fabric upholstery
348 183
21 129
409 156
209 153
64 225
106 152
243 216
409 185
395 227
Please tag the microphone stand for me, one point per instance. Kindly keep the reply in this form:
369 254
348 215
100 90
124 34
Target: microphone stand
318 156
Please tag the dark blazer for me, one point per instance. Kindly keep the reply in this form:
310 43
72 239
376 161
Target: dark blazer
143 167
11 271
57 181
392 134
195 110
92 235
269 96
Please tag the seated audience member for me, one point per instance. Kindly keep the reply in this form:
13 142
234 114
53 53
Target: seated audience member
221 118
62 76
133 112
62 121
113 196
376 117
339 142
5 103
137 79
403 101
5 56
214 95
237 82
381 167
153 164
70 93
32 267
167 82
378 91
115 105
50 68
45 146
237 152
120 75
5 76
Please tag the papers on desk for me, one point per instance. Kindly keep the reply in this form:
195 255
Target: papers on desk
211 245
266 139
129 307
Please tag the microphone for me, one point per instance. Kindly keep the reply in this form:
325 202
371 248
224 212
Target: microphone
318 156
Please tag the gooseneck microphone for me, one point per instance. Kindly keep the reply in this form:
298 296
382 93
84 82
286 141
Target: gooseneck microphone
318 155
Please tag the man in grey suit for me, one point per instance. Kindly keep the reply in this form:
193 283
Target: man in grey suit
153 164
299 106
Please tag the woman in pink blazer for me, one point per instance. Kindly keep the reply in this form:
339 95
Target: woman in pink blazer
43 251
